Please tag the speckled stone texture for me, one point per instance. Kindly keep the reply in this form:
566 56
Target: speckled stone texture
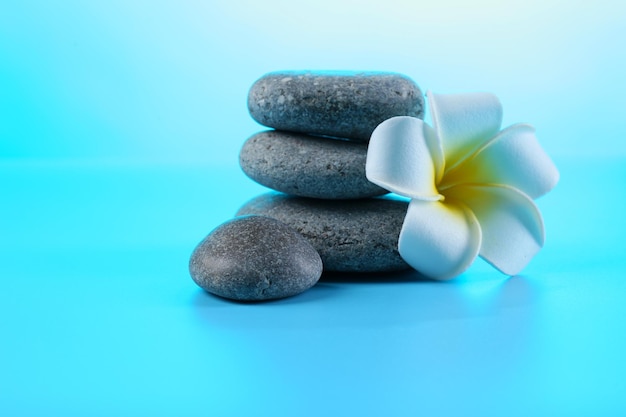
308 166
346 105
255 258
350 235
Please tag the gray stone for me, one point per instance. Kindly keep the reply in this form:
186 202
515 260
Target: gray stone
350 235
255 258
308 166
341 104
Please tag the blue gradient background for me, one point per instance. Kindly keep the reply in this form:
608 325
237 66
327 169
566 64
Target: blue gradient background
120 126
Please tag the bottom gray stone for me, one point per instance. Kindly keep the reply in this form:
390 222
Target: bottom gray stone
255 258
349 235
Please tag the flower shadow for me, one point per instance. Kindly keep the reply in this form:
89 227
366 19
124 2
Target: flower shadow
376 300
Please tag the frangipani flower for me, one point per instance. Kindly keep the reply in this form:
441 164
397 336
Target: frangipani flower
471 185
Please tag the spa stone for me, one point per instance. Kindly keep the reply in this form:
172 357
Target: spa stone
308 166
349 235
340 104
255 258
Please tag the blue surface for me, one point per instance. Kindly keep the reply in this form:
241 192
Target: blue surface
120 126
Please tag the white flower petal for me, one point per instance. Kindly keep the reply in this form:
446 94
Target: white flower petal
440 240
512 227
403 157
514 157
464 122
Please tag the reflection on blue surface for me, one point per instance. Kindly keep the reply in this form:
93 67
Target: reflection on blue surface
120 124
100 317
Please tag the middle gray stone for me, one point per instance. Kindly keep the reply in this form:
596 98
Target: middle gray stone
308 166
349 235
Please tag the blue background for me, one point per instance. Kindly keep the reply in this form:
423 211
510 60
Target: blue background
120 127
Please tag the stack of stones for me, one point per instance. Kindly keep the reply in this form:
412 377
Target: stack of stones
323 212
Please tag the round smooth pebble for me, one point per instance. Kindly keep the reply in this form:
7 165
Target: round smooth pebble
327 103
308 166
349 235
255 258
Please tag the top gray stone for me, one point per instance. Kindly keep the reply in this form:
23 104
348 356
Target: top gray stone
340 104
